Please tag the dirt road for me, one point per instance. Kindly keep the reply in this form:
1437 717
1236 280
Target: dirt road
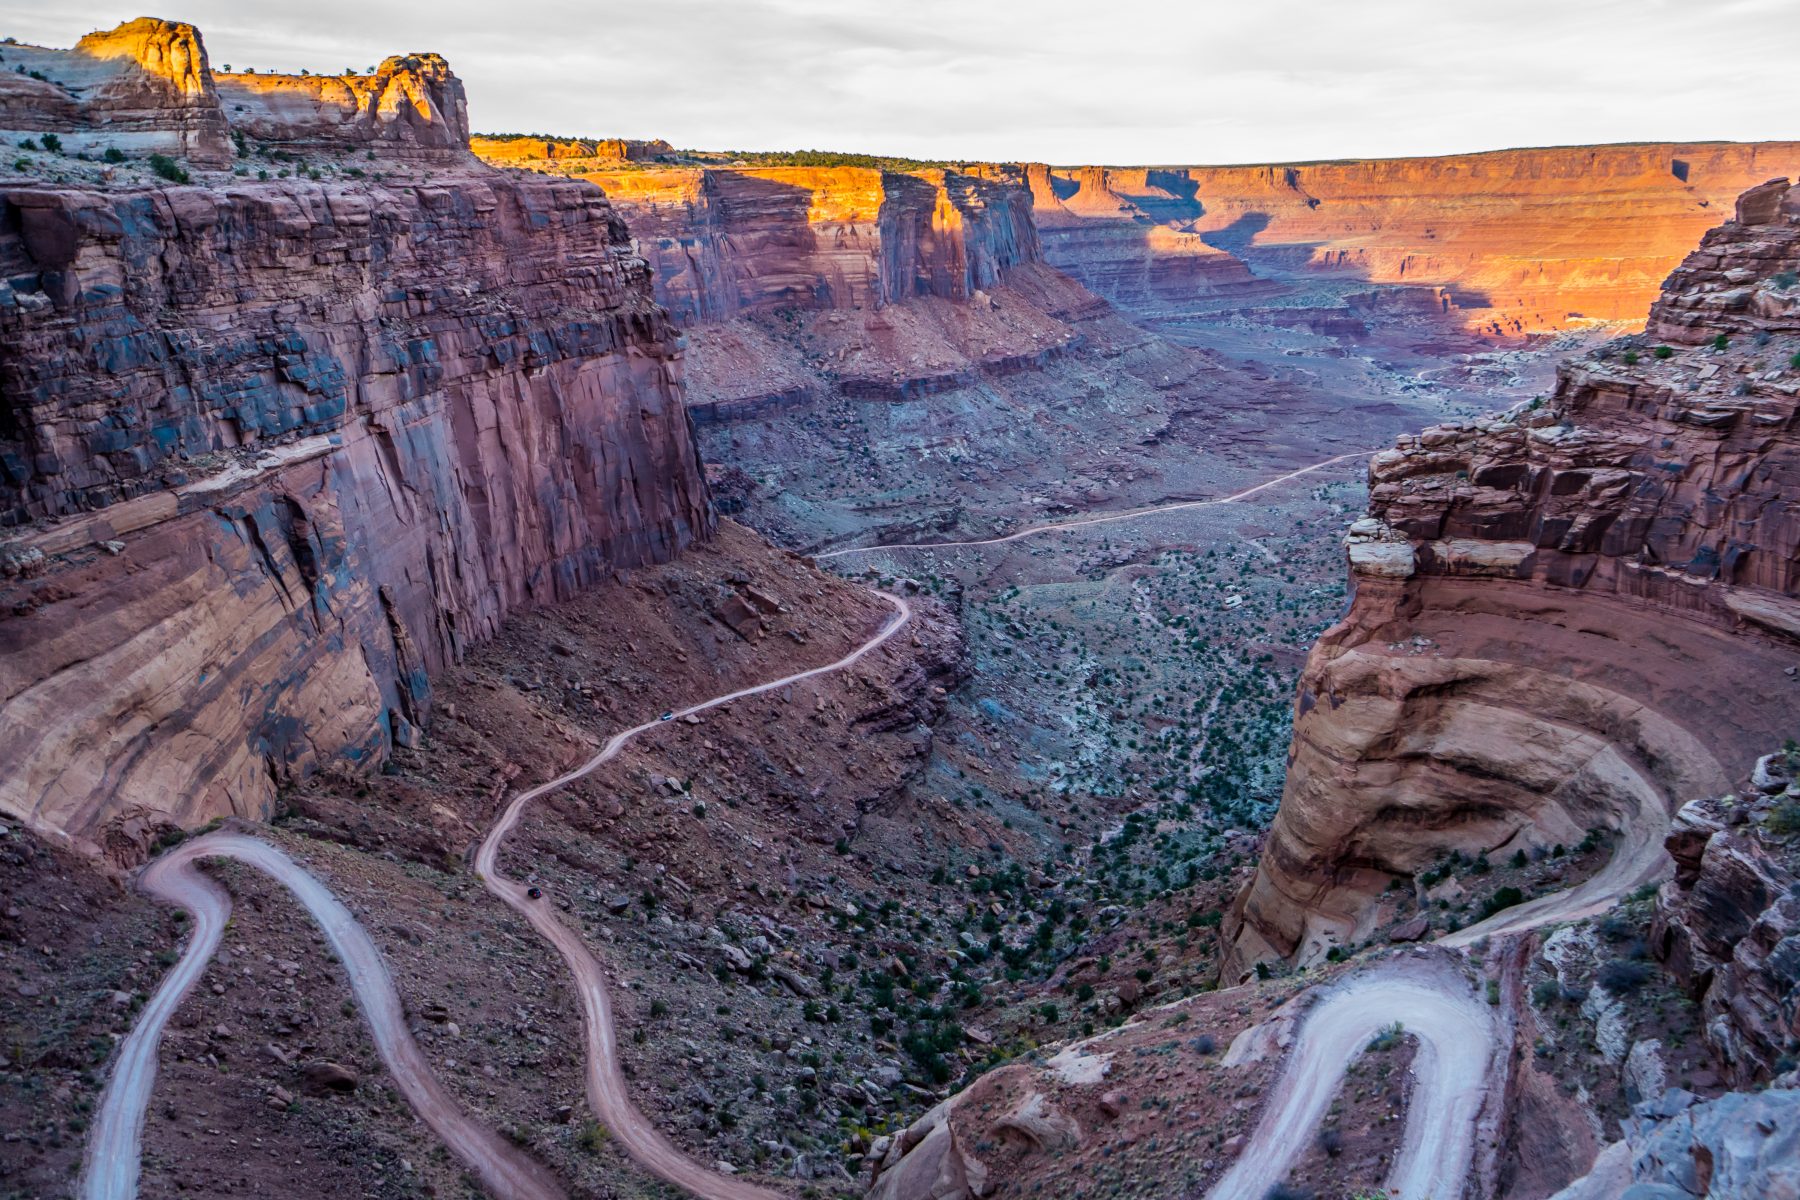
1134 514
1456 1031
607 1093
113 1153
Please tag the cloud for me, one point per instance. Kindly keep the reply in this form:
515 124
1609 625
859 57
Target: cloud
1062 80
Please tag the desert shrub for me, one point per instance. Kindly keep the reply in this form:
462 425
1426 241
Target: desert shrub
1784 819
1287 1191
1663 351
1622 976
114 155
1787 279
52 143
1631 358
1388 1038
1721 342
168 168
1331 1141
1546 992
1506 897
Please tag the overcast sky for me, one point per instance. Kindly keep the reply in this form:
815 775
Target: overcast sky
1069 81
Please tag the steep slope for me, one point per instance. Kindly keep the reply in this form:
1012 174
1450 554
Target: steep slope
1565 619
272 452
1523 241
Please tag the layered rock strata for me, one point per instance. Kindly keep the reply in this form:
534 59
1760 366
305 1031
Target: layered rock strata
144 87
1525 241
730 242
1569 617
272 453
1728 923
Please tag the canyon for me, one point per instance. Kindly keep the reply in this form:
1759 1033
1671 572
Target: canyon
1507 243
539 665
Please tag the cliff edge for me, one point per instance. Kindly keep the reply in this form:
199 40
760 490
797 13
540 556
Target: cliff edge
1567 621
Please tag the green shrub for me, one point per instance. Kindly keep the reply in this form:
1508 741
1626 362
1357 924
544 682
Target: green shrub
1784 819
1506 897
52 143
1721 342
1794 362
1546 992
1787 279
1388 1038
1631 358
114 155
1663 352
28 144
168 168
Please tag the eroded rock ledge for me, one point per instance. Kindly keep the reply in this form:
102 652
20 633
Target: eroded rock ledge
1564 618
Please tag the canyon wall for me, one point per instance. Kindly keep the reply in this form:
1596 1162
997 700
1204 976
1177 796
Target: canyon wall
727 242
795 283
1581 614
272 452
1524 240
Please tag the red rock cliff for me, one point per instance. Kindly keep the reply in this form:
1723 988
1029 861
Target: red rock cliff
270 453
1580 614
730 241
1525 240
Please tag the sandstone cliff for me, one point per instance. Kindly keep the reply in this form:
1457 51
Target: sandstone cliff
411 106
725 242
1524 240
271 453
143 87
1579 615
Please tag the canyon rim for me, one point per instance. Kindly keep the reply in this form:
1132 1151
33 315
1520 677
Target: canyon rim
564 664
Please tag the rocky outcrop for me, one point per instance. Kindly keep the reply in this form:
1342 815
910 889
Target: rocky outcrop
1567 617
1523 240
726 242
1677 1147
148 87
410 107
144 87
1728 927
576 154
271 453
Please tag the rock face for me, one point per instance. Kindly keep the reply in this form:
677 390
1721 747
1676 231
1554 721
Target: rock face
729 242
1130 236
580 154
1728 926
271 453
143 87
1564 618
1738 1147
410 107
1522 241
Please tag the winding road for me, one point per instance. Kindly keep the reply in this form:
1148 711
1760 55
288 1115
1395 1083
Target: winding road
607 1094
110 1171
1131 515
114 1151
1457 1039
